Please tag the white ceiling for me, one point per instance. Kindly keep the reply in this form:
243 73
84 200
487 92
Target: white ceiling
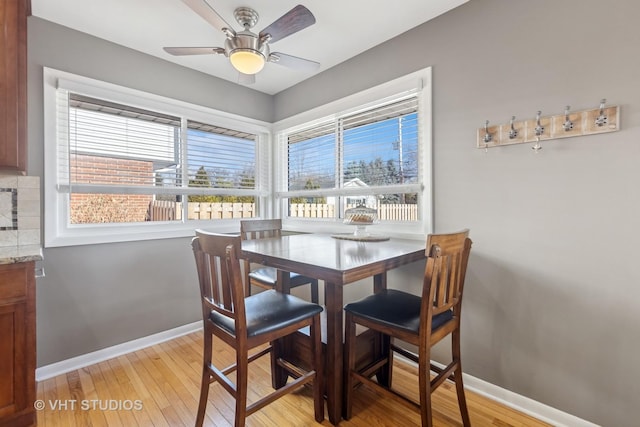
343 29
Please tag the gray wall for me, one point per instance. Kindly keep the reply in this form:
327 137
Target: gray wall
552 303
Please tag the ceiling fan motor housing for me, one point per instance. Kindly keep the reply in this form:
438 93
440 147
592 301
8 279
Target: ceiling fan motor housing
246 41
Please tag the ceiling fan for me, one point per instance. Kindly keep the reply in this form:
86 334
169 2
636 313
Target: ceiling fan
248 51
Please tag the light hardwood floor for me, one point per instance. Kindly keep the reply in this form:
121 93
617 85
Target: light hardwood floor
159 386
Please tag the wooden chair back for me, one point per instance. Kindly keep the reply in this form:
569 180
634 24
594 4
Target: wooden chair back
447 257
220 279
251 229
260 228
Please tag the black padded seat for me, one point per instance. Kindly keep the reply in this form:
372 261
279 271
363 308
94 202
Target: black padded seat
269 311
396 309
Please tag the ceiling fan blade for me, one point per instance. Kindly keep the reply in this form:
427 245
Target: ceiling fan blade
181 51
293 62
291 22
246 79
202 8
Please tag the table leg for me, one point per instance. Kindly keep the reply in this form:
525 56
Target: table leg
282 282
278 374
379 282
384 374
333 307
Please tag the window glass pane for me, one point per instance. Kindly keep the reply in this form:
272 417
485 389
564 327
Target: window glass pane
312 207
220 158
119 145
390 207
311 158
114 145
381 146
93 208
373 149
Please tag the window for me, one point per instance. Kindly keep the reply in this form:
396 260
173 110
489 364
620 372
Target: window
373 153
127 168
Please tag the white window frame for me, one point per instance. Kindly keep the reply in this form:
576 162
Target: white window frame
58 231
419 83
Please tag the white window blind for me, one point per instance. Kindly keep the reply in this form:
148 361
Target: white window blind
221 158
124 164
370 152
312 158
380 146
112 148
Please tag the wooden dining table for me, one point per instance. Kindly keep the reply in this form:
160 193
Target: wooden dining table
337 262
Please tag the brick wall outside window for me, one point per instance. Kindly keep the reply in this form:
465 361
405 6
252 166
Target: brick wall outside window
106 208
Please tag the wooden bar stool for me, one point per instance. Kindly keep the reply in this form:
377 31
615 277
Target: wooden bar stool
419 320
245 323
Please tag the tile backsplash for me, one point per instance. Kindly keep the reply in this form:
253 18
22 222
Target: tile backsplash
19 210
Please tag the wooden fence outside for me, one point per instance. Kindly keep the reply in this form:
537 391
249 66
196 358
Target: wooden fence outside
162 210
220 210
397 212
311 210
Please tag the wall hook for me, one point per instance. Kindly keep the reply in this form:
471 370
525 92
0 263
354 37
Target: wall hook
568 124
513 132
601 120
487 136
537 147
539 128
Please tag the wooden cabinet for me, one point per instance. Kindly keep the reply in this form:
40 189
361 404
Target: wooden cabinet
17 344
13 86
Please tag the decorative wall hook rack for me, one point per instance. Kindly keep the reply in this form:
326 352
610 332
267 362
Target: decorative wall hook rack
568 124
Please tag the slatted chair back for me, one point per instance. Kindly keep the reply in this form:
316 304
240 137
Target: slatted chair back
221 287
444 276
260 229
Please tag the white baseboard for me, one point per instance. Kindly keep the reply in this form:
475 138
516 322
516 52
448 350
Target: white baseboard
508 398
64 366
516 401
523 404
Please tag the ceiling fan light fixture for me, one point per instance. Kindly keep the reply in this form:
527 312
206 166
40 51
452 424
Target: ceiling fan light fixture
247 61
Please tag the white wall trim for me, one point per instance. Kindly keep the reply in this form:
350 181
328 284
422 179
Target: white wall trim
64 366
516 401
506 397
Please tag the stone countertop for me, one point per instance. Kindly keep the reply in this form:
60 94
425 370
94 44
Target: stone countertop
15 254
